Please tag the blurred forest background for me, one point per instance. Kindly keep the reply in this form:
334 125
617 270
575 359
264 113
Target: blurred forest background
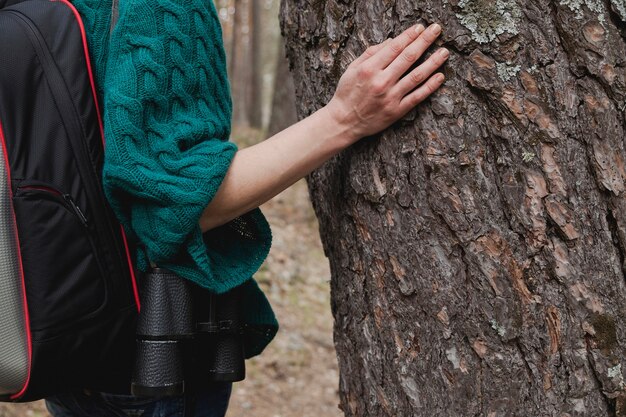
261 86
297 374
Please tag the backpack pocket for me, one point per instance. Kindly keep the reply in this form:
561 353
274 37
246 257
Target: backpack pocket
62 273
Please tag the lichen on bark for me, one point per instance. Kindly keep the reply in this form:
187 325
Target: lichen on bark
506 71
595 6
620 8
487 19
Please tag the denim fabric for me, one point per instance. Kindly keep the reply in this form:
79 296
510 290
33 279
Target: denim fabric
209 402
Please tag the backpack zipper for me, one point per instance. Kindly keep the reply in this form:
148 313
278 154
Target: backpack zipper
69 204
65 199
75 132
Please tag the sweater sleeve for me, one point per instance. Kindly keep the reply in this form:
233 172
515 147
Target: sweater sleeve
167 125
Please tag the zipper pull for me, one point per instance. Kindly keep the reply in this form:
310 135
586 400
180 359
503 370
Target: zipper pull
76 209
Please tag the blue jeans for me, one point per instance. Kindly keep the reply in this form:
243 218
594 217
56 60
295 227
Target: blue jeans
208 402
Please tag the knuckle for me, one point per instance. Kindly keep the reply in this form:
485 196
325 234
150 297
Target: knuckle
379 86
417 77
430 88
439 59
364 72
416 98
388 111
429 37
410 56
404 109
396 46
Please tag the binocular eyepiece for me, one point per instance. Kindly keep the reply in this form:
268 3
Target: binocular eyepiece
180 326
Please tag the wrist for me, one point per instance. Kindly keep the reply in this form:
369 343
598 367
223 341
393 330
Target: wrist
340 120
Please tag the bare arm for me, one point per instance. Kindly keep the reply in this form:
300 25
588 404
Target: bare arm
370 96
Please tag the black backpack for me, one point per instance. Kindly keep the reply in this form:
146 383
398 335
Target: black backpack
68 295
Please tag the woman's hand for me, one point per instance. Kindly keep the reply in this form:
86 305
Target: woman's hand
373 93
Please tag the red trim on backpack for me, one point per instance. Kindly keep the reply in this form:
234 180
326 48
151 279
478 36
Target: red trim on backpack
95 98
19 255
132 272
41 188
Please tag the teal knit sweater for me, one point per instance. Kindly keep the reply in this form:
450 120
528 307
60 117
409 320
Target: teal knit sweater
166 105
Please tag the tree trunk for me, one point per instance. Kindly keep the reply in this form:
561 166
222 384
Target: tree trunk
239 72
226 22
255 104
234 38
284 99
477 248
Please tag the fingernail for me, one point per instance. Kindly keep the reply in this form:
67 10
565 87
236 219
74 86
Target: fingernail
444 52
435 28
419 28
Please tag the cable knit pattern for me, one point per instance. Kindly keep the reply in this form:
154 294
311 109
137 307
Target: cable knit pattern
167 112
97 23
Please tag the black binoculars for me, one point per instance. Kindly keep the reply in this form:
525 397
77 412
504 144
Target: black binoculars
183 328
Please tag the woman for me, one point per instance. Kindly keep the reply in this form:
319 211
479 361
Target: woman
182 191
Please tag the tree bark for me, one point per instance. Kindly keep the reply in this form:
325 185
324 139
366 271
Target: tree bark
284 99
255 104
239 73
478 247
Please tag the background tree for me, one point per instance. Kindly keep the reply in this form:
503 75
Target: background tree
478 247
251 36
255 106
284 99
238 62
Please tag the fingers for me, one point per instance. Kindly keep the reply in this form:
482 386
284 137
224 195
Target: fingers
386 55
369 52
420 94
374 91
412 52
421 73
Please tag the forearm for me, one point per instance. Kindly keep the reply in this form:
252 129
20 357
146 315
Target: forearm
259 172
374 92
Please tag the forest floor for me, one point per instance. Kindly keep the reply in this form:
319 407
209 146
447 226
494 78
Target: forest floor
297 374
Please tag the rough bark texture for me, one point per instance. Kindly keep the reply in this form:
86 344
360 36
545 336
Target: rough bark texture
284 99
477 248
